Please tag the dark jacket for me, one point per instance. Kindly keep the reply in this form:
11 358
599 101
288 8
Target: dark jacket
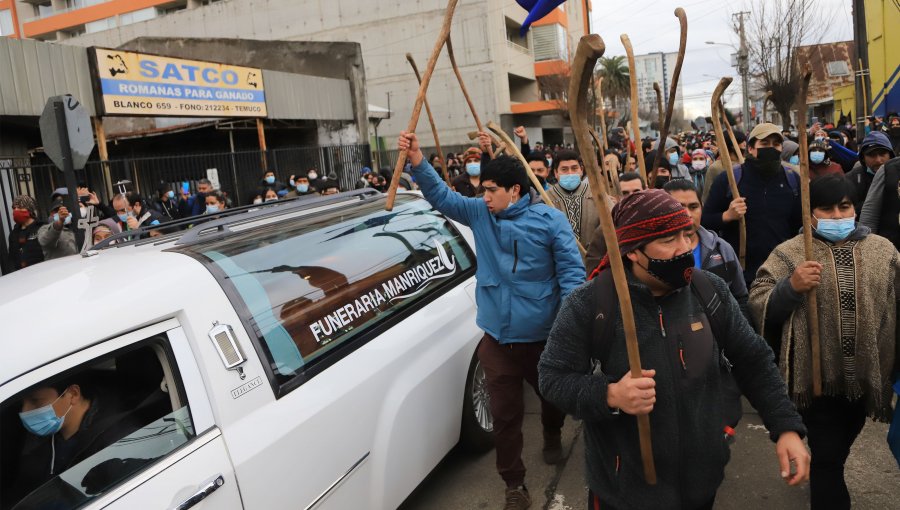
464 187
24 248
773 213
888 224
861 179
689 448
719 258
168 210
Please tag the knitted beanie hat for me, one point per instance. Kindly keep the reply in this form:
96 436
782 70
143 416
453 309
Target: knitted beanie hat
644 216
27 203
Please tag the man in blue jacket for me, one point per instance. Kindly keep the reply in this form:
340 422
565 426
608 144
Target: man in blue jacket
770 200
528 261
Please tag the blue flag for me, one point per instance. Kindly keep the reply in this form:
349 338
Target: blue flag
537 9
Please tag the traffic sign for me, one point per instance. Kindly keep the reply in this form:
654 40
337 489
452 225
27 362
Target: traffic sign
78 127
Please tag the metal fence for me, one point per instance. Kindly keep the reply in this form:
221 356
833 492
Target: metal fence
388 158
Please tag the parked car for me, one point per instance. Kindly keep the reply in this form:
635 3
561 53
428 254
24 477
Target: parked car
302 354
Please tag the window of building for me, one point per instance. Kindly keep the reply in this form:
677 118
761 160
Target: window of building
838 68
309 296
512 34
137 16
100 25
550 42
6 23
43 9
130 411
79 4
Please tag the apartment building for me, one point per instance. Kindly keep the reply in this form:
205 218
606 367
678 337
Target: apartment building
657 67
517 80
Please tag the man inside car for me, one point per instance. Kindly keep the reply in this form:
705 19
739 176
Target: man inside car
528 261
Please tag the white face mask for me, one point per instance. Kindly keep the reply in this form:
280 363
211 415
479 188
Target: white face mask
698 164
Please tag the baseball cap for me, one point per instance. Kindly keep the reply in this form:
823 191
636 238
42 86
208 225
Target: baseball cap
765 130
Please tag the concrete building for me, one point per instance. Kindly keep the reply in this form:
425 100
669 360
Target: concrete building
518 80
657 67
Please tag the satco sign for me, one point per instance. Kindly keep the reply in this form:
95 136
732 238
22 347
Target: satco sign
138 84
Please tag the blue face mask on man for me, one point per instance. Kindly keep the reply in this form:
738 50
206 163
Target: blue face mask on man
473 169
43 420
795 160
302 188
170 194
836 230
817 157
673 159
570 182
56 219
270 179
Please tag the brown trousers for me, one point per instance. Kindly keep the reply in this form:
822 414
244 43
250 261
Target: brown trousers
505 367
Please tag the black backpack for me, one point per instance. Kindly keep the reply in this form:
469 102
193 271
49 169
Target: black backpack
605 302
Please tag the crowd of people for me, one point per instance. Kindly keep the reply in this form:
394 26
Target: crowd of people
711 327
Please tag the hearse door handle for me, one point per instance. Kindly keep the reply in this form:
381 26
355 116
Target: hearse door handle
201 494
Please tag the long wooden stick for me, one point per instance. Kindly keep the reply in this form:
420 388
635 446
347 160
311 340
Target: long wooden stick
611 177
812 305
676 75
734 142
442 38
434 132
635 120
659 106
726 161
462 86
605 138
515 152
501 146
591 48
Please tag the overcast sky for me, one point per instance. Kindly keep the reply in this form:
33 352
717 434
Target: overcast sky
652 26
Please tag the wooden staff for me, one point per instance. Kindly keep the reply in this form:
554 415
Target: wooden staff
591 48
734 142
676 75
611 177
659 107
603 115
462 86
726 161
434 132
501 146
812 305
534 180
443 37
635 120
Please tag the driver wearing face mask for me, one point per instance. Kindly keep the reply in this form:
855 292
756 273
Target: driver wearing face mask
819 163
66 422
770 200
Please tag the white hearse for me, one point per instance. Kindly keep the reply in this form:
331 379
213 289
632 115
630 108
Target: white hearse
304 354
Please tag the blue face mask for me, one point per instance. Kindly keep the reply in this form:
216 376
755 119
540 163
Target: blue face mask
673 158
303 188
67 222
817 157
795 160
170 194
43 420
570 182
123 217
473 169
836 230
270 179
212 209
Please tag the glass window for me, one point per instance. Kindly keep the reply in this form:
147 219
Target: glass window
137 16
121 413
309 287
6 24
100 25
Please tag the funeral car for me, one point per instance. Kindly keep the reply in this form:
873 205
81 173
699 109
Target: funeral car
314 353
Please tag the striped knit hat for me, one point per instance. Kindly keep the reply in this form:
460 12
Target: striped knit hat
27 203
644 216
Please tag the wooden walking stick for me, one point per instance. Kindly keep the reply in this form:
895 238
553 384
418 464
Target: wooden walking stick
591 48
635 120
533 178
734 142
462 86
726 161
676 75
443 37
812 305
611 177
501 146
602 115
434 132
659 106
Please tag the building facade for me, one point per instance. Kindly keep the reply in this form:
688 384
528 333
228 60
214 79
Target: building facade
659 68
514 79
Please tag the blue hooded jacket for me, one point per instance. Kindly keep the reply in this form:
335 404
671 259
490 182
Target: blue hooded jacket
528 260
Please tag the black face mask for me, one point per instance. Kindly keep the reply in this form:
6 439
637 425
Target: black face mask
675 272
661 181
895 131
768 160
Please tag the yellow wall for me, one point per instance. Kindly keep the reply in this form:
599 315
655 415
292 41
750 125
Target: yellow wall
882 22
844 101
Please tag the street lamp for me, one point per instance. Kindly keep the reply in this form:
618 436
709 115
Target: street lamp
743 68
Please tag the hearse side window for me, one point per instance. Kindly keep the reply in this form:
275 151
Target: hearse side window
309 287
120 413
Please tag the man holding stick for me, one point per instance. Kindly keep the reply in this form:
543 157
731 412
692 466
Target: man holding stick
528 261
585 369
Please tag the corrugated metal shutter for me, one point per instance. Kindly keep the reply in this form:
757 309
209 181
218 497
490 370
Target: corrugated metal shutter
546 42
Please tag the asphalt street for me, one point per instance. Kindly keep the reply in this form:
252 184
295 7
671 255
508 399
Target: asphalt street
752 480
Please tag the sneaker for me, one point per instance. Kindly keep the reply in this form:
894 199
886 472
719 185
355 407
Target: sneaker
553 453
517 498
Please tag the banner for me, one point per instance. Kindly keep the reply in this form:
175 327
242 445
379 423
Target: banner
137 84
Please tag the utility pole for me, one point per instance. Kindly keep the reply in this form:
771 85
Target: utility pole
744 68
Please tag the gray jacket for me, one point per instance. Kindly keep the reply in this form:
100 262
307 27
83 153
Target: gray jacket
56 243
689 448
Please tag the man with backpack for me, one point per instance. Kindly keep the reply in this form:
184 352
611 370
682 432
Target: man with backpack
770 200
584 369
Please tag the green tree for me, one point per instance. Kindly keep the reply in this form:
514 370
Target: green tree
616 79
